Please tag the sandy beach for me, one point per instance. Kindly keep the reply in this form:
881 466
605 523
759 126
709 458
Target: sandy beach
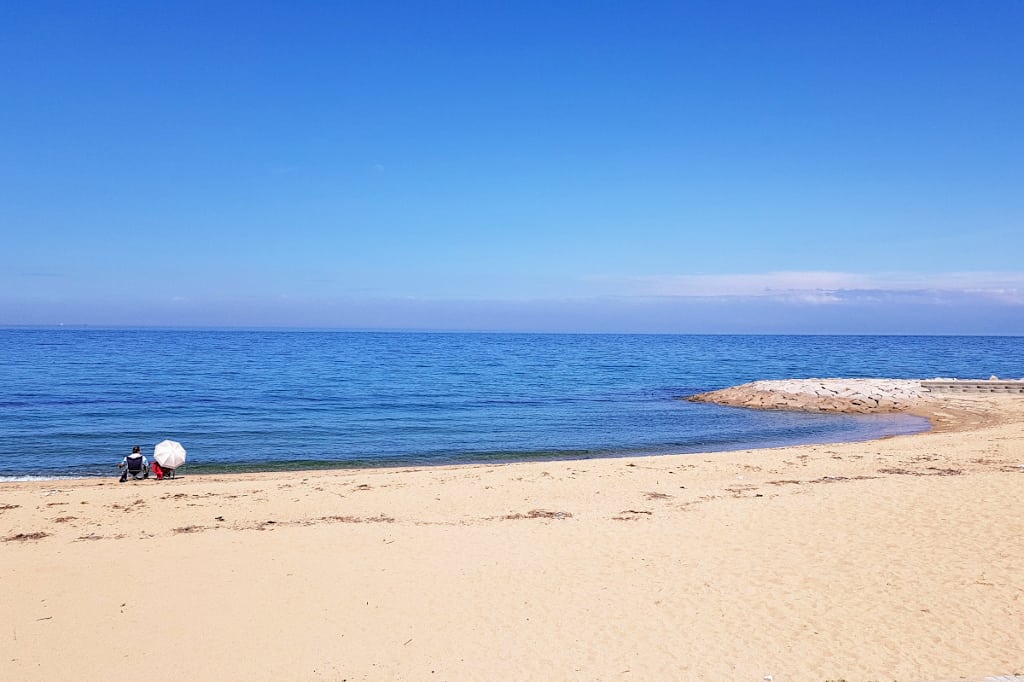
898 559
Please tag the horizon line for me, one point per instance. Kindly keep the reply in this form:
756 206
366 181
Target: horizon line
440 330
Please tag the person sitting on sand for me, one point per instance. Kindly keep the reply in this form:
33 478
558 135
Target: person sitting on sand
135 464
161 471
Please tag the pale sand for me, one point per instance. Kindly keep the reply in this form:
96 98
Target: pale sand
898 559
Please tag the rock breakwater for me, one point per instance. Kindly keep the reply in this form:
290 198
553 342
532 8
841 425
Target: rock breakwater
857 396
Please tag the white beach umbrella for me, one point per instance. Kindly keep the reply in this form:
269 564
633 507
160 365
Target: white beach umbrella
169 454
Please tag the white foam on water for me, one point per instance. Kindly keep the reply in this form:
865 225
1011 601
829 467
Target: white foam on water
22 479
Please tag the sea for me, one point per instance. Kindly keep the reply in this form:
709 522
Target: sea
73 401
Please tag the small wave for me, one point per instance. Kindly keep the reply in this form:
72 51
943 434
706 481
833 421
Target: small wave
23 479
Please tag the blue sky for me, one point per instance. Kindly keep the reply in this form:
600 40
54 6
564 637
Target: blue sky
816 167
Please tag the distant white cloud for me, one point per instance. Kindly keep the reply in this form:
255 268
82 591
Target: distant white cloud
830 288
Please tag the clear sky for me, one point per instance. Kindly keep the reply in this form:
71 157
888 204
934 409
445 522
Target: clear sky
820 167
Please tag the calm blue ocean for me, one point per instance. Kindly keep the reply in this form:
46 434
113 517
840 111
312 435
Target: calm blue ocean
74 401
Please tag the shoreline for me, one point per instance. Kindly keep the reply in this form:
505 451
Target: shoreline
895 558
790 396
285 466
243 469
938 421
